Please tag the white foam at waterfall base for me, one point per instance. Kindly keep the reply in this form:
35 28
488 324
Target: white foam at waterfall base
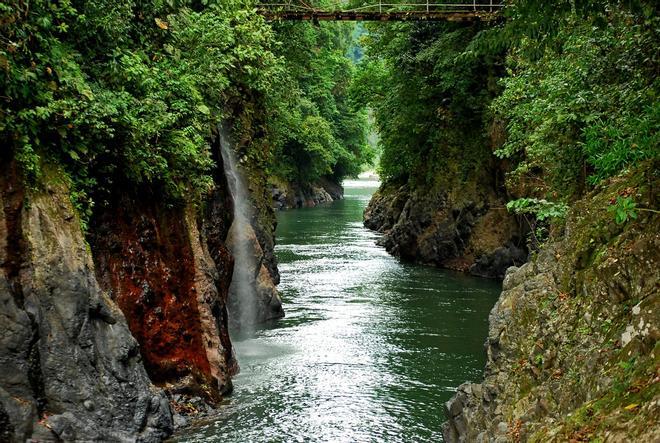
242 284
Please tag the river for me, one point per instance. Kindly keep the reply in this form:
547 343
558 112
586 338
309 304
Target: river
370 348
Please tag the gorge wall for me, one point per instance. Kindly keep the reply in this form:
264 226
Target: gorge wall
463 226
157 264
443 196
112 330
69 367
573 340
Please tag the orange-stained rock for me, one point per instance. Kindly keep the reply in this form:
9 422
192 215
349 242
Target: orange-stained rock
158 267
69 368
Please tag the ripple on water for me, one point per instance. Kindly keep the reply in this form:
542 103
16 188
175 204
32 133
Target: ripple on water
370 348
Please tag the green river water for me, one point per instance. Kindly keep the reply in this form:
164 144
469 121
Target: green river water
370 348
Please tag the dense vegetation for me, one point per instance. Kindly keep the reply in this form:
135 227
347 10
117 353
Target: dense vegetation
319 130
428 95
581 96
120 90
566 92
132 92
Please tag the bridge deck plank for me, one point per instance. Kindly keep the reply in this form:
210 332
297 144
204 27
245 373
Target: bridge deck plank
380 16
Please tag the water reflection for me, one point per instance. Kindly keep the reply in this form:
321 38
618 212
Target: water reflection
370 348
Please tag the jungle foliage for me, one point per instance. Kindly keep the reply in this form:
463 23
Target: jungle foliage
428 95
580 98
127 90
131 92
319 130
565 92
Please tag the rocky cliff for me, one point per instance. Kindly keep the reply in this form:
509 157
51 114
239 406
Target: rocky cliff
573 340
69 367
286 195
170 270
258 301
170 277
461 226
109 331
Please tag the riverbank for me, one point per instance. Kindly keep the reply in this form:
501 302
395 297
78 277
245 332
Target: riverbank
464 227
573 340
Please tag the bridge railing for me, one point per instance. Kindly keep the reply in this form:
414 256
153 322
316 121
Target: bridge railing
382 7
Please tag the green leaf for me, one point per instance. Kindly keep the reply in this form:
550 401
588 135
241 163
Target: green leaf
203 109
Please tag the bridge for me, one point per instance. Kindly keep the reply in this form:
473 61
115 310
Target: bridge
483 10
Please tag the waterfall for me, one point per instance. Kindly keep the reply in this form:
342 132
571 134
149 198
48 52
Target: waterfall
242 294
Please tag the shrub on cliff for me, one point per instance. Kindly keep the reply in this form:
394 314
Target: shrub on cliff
119 90
580 97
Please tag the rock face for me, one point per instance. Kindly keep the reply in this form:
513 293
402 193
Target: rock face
260 300
170 270
466 228
91 326
253 297
573 340
291 195
69 368
169 274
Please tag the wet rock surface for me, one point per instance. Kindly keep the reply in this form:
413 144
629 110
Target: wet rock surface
252 298
158 267
69 368
188 409
463 229
291 195
495 264
573 340
262 299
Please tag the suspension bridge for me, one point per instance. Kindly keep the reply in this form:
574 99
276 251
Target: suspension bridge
482 10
